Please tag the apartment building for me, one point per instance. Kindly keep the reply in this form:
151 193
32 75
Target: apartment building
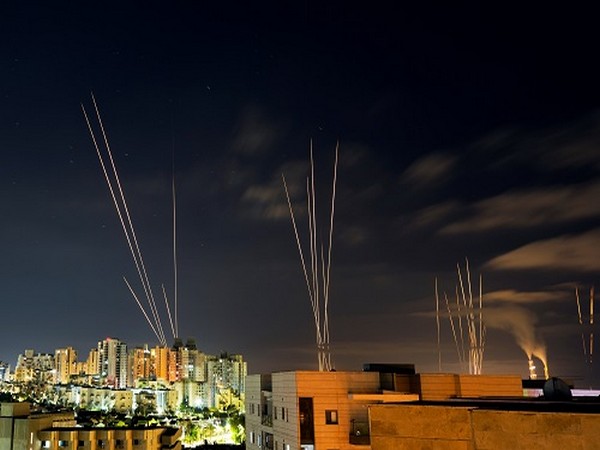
21 429
309 410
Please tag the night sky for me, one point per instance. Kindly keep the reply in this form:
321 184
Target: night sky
463 133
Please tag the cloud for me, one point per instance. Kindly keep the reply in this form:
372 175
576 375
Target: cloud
521 297
429 170
256 133
433 214
569 252
573 146
554 148
354 235
267 201
531 208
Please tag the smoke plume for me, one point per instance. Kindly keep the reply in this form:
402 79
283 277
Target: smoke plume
521 323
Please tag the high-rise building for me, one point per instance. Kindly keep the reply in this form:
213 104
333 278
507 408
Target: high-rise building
65 363
140 364
4 371
34 367
225 372
160 363
24 367
190 362
112 359
174 364
92 364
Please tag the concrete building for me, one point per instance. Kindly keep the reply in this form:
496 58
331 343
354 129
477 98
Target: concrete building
34 367
92 363
112 360
197 379
386 407
160 363
4 371
65 364
19 427
152 438
224 372
102 399
22 430
140 364
313 410
193 362
485 425
330 410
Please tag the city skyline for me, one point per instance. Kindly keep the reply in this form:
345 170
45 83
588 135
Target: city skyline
113 364
463 133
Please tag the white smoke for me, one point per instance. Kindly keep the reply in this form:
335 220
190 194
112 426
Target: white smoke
521 323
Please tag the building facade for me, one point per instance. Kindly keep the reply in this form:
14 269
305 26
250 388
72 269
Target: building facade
196 379
309 410
490 425
22 430
65 364
113 362
34 367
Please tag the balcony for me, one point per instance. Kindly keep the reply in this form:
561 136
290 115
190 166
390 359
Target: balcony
266 420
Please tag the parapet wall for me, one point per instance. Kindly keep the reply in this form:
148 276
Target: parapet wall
444 386
404 427
14 409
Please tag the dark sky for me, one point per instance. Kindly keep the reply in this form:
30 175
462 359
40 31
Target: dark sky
464 133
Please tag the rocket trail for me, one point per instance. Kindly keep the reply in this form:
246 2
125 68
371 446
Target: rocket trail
146 280
318 275
122 210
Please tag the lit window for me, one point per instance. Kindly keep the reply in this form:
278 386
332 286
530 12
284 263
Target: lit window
331 417
46 444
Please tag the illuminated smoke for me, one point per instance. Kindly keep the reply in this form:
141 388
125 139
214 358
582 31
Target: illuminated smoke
540 352
521 323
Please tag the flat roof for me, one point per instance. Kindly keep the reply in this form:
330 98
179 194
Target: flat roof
586 405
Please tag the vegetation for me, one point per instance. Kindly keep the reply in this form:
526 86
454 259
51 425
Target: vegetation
220 428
